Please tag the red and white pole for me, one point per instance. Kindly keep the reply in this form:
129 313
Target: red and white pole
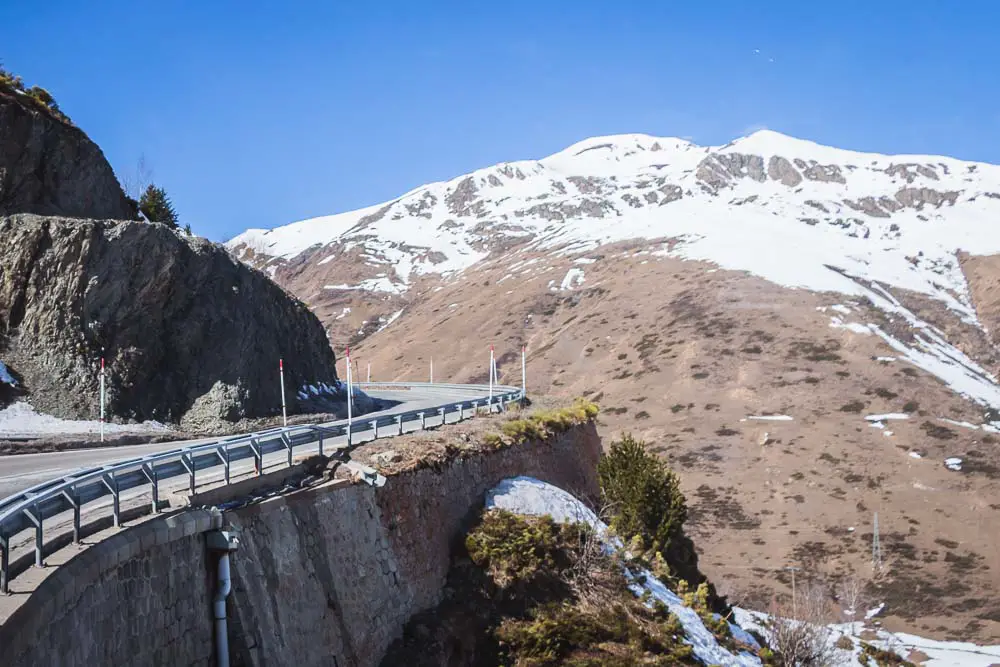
524 372
489 406
102 399
350 397
281 373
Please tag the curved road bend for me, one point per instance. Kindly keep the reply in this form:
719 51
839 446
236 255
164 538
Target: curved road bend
21 471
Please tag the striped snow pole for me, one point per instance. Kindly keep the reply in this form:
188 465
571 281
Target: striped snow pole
350 397
281 374
524 372
102 399
489 406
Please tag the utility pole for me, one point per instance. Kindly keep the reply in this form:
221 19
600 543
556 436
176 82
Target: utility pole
876 547
795 608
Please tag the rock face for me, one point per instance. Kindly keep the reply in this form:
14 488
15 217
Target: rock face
50 167
189 334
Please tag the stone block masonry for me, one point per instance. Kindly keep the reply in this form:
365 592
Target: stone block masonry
329 576
326 575
141 597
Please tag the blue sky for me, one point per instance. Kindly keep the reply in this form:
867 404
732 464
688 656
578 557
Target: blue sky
256 114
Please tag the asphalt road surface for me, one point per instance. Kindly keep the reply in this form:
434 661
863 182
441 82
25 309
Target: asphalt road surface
21 471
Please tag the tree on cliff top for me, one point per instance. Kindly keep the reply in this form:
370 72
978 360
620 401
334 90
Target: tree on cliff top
156 206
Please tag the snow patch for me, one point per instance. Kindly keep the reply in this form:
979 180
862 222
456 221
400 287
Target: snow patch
573 278
5 375
21 419
953 463
771 418
891 415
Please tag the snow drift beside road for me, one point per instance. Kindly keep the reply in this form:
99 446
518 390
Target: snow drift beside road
21 420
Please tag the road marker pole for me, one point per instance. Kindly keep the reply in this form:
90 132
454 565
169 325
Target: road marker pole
281 374
102 399
524 372
432 370
350 397
369 372
489 406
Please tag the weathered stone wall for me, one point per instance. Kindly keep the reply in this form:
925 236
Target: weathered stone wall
329 576
142 597
326 575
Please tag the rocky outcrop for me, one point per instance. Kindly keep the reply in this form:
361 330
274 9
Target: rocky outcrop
50 167
189 334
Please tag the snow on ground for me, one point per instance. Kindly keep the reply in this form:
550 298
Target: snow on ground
573 278
791 236
526 495
939 653
5 375
20 419
891 415
953 463
916 455
771 418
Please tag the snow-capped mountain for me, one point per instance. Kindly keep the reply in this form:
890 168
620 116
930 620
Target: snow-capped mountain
792 326
785 209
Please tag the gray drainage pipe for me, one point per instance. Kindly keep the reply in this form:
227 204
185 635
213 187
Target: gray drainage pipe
225 542
225 585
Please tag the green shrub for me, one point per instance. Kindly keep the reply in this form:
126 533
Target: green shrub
543 423
513 549
871 654
643 494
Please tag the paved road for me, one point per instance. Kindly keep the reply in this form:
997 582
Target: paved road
21 471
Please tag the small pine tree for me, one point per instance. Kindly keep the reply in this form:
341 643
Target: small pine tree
187 229
156 206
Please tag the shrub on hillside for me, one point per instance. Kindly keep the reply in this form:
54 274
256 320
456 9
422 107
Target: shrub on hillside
648 511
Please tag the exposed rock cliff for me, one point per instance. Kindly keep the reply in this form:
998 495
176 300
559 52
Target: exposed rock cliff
50 167
189 334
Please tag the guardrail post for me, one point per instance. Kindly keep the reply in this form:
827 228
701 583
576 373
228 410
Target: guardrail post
374 429
288 445
112 484
441 410
154 487
36 518
258 458
4 564
189 466
321 443
75 504
475 408
423 420
399 421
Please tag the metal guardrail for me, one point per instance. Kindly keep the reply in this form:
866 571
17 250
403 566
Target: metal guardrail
30 508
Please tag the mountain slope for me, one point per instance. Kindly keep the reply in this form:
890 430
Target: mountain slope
791 325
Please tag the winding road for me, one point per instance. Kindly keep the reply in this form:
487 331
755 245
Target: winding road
21 471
